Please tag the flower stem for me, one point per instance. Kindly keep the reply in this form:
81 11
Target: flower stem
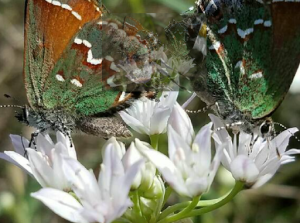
182 213
154 141
237 188
179 206
168 192
138 216
208 205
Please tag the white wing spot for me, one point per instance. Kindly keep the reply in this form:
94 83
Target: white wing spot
267 23
59 78
232 21
76 15
258 21
78 41
92 60
256 75
223 30
66 6
76 83
87 43
114 67
244 33
57 3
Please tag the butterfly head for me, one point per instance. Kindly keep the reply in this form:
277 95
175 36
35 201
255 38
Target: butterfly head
266 129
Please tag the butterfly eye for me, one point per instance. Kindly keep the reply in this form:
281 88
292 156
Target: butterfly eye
266 128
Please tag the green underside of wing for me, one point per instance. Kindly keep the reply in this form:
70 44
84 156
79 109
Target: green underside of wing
249 93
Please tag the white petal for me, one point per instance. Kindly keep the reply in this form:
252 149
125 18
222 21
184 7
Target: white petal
282 140
18 160
60 203
41 170
203 143
19 143
215 166
262 180
57 167
135 124
243 169
132 156
194 95
181 123
61 138
196 185
168 99
44 145
176 143
166 167
159 120
118 146
292 152
223 134
83 181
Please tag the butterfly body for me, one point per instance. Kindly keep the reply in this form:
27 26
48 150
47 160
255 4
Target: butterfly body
71 68
253 54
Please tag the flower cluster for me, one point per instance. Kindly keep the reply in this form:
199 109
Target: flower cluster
134 184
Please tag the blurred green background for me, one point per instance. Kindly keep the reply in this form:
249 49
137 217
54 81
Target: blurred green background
276 202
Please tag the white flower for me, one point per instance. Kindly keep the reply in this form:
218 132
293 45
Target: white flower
45 162
181 123
181 66
149 116
189 169
256 165
97 201
137 74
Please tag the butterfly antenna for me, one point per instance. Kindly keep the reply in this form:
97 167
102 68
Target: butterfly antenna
191 98
11 106
201 110
285 128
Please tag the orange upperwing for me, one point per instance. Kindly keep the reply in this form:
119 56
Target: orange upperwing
49 27
59 22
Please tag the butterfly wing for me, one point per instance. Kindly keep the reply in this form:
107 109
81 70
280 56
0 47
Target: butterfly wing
253 55
49 27
73 69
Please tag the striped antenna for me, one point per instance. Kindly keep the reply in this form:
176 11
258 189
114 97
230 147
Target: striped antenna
205 109
12 106
285 128
191 98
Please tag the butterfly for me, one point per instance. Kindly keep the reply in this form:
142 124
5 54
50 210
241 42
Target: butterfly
253 53
72 76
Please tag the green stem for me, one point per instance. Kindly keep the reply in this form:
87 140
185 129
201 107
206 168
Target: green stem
182 213
179 206
168 192
237 188
137 208
154 141
208 206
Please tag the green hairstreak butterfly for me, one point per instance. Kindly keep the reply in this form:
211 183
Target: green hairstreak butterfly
71 77
253 53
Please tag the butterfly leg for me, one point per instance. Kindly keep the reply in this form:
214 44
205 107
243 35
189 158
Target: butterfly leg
67 132
32 141
252 142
